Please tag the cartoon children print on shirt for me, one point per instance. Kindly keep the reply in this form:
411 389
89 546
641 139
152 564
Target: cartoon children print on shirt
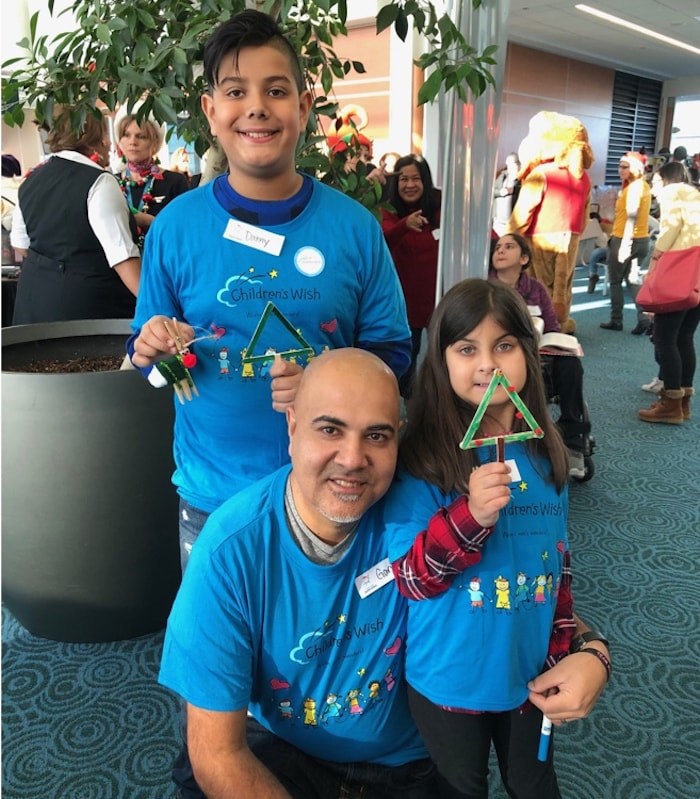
540 591
339 704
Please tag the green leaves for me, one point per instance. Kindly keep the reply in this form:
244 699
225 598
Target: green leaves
129 51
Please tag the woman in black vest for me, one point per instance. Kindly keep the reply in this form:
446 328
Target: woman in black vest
71 226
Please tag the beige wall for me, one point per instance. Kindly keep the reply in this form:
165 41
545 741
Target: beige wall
537 81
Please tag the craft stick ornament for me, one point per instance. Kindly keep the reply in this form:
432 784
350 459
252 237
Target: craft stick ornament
521 412
273 312
175 371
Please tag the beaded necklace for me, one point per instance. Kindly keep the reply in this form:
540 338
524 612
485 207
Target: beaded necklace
145 173
141 174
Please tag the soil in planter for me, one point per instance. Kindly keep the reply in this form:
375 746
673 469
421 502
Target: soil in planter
106 363
64 356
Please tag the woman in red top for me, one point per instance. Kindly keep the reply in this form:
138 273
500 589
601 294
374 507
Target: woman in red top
412 233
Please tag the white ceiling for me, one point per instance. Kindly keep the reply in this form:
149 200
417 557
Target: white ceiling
556 26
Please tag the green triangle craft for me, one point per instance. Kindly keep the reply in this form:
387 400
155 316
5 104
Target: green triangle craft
271 310
535 431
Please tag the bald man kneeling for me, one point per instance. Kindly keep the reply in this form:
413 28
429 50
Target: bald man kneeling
286 639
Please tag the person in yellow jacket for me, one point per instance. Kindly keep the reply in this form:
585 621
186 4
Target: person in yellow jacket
630 233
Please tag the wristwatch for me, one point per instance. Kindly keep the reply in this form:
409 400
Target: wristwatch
581 640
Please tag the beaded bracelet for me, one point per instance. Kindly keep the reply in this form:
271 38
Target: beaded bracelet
601 657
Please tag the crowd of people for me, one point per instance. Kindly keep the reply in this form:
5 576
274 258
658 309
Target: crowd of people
353 578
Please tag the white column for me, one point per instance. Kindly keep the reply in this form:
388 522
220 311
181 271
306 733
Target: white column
469 135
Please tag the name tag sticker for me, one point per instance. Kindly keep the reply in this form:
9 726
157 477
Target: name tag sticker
373 579
514 471
255 237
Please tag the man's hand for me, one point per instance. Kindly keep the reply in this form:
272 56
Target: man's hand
223 764
160 338
570 689
489 492
286 377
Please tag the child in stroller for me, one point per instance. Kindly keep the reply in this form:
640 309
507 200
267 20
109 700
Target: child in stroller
563 373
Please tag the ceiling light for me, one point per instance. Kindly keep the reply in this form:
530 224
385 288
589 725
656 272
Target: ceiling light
638 28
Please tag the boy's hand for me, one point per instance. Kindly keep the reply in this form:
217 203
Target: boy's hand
489 492
286 377
157 340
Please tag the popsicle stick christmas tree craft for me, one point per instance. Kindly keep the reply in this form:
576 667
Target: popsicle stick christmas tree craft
521 412
288 330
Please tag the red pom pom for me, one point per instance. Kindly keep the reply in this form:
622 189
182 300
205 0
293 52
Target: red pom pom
511 389
189 360
518 415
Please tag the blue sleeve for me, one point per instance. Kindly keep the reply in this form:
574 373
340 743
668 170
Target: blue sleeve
395 354
157 287
383 323
130 349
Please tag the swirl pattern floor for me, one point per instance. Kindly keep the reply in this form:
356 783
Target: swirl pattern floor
88 721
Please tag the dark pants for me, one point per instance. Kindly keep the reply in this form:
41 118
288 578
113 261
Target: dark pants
306 777
564 379
406 380
459 744
619 271
673 347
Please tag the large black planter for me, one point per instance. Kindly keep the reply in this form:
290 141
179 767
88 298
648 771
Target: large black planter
89 516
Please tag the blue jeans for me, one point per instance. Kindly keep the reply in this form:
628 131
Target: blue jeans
191 522
598 256
306 777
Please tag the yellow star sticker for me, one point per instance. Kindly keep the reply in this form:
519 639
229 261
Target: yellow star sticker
545 555
362 672
252 269
342 618
273 274
522 486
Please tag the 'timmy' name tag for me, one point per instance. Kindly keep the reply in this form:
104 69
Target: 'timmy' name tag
255 237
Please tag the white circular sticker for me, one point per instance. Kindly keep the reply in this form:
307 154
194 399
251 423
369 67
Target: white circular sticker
309 261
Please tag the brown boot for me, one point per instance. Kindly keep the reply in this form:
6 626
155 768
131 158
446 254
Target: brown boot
667 409
685 403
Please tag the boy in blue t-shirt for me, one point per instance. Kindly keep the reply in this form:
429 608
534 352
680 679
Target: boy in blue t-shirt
262 261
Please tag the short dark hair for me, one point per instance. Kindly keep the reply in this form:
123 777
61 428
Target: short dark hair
250 28
430 201
680 154
673 172
438 419
10 166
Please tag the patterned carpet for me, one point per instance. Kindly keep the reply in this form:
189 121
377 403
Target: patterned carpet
87 721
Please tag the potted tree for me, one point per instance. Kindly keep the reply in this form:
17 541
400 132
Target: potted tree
89 517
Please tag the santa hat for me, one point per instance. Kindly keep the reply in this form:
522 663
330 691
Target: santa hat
346 132
635 161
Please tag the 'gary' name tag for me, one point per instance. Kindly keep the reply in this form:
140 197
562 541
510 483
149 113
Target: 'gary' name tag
373 579
255 237
514 471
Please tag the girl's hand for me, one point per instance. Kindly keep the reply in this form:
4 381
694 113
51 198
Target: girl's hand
489 492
